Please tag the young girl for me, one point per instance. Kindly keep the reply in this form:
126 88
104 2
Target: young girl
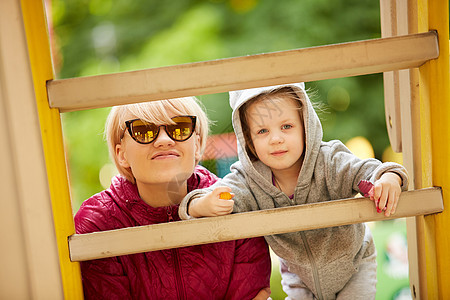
156 147
282 162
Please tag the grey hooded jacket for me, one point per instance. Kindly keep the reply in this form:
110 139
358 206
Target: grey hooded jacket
324 259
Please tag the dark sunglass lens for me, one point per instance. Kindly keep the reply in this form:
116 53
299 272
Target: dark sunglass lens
144 132
182 130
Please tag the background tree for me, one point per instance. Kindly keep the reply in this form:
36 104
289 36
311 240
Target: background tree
92 37
105 36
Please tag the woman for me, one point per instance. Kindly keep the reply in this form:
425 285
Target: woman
156 147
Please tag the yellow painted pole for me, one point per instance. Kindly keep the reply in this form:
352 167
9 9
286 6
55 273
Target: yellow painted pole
50 122
440 132
435 112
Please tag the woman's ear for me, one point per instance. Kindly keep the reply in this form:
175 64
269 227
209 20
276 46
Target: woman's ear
121 157
198 154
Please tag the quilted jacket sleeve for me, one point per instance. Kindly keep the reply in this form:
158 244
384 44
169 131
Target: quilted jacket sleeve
252 268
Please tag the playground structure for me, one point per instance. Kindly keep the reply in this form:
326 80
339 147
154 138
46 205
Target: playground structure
40 250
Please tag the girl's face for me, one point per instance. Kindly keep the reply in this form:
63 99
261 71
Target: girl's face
277 132
160 162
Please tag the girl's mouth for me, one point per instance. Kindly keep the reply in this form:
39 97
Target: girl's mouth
279 153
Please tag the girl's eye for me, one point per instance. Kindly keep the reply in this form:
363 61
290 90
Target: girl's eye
287 126
262 131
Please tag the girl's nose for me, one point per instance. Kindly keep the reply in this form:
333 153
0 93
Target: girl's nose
163 138
276 138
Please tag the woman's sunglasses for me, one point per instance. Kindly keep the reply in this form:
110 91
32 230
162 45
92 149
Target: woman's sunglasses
145 132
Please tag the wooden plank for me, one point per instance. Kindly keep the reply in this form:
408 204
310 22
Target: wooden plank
28 255
401 98
309 64
410 120
250 224
412 157
53 146
390 22
409 101
13 253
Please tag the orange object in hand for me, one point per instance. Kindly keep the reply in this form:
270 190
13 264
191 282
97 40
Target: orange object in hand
225 196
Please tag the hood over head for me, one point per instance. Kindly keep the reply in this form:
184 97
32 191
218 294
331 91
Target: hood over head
313 131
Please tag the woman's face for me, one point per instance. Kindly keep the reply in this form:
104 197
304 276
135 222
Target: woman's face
160 162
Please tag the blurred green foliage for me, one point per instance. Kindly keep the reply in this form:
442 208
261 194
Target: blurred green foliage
105 36
91 37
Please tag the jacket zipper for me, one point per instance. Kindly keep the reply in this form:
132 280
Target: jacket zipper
177 265
313 267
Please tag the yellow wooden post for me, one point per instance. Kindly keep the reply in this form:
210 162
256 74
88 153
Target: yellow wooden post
50 123
435 124
440 133
435 127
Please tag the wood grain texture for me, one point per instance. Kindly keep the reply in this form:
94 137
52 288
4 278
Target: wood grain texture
308 64
244 225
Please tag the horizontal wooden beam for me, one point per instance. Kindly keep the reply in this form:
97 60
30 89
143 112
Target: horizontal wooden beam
308 64
244 225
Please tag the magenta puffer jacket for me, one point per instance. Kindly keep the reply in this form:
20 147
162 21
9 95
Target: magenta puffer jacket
227 270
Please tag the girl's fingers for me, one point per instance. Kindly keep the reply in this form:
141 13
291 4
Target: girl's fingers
377 190
389 205
380 196
383 200
386 195
225 203
221 189
225 206
394 207
392 203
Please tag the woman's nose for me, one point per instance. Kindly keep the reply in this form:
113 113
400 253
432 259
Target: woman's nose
163 138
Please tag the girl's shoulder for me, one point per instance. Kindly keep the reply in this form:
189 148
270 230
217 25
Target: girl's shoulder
333 145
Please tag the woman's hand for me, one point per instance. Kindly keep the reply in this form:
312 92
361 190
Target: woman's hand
386 192
263 294
210 205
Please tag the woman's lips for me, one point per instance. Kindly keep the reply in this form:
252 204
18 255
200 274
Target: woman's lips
165 155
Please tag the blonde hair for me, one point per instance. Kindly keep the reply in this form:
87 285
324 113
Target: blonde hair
273 95
156 112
